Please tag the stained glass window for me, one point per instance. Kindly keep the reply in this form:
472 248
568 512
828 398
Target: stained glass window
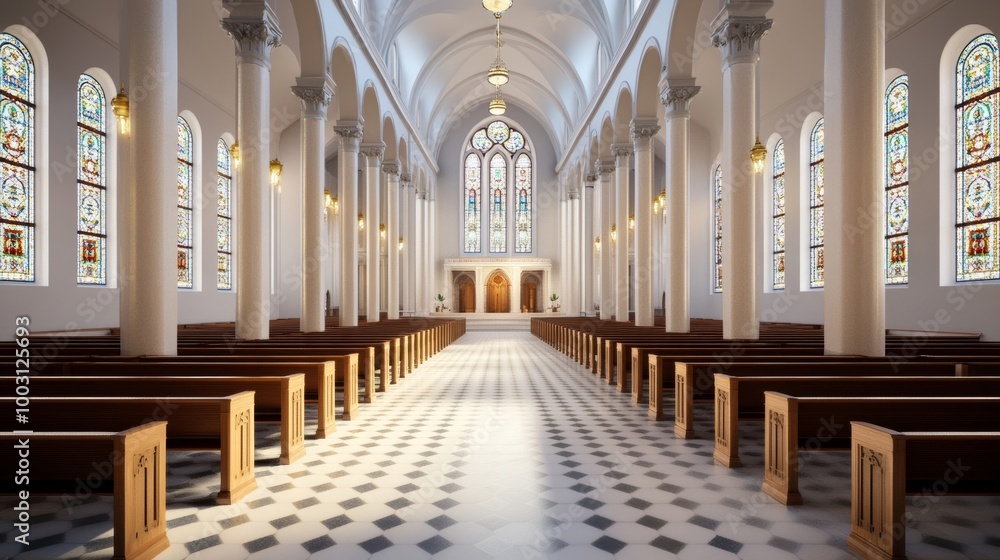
522 215
498 132
17 160
473 204
778 217
515 142
897 181
717 220
481 141
978 99
91 183
225 215
816 217
185 205
498 204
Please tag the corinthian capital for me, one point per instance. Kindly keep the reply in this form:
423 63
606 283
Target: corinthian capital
676 95
605 166
739 38
390 168
643 131
254 28
350 134
373 151
315 94
622 153
406 179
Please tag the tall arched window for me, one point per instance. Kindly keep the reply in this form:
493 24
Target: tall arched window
92 184
778 217
17 160
498 204
978 161
185 205
522 215
473 203
498 174
816 223
717 220
225 215
897 181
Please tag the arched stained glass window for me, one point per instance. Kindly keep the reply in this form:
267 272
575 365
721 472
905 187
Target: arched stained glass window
816 217
225 215
717 221
17 160
897 181
498 204
185 205
778 217
91 183
473 204
522 215
978 99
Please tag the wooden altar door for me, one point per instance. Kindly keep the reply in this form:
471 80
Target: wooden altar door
498 293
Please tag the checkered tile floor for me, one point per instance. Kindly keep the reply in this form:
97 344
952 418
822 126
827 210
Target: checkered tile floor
500 447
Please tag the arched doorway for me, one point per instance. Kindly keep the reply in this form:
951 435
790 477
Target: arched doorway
531 287
466 294
498 293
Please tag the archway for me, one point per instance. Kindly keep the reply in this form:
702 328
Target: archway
465 289
531 292
498 293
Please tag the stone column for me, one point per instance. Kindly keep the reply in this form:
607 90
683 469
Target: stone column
676 98
854 78
406 232
347 163
739 28
148 312
373 174
604 170
421 271
315 94
573 303
643 131
392 240
588 212
254 28
623 159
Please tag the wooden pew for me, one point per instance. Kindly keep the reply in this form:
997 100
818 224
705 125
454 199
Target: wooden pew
199 423
820 423
277 399
739 399
886 465
136 462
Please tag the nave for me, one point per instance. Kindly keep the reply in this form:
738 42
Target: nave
503 448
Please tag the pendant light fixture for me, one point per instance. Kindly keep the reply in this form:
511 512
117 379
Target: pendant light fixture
497 74
498 6
498 106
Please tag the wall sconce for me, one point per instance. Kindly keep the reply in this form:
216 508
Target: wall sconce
119 105
401 244
757 155
614 233
327 198
276 168
234 152
381 231
631 222
597 243
361 222
331 202
656 206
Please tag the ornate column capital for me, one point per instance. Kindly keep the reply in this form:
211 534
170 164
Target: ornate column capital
622 153
373 151
738 31
406 180
643 131
390 168
254 28
315 94
676 94
574 192
350 133
605 167
589 179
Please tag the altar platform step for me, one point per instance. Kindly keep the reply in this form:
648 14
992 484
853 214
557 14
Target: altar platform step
497 321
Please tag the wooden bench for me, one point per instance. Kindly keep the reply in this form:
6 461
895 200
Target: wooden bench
820 423
740 399
193 423
277 399
136 462
887 465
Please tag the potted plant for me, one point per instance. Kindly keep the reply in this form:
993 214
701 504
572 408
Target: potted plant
554 299
440 304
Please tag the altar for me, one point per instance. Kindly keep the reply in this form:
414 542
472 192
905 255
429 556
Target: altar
501 285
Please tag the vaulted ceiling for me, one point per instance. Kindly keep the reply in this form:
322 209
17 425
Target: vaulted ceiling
444 48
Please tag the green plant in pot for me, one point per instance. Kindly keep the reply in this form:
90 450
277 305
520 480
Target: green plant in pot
440 303
554 299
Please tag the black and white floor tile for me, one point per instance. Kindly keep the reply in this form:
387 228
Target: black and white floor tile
500 447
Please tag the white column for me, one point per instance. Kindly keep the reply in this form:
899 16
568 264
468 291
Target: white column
623 159
676 99
573 283
373 174
405 280
421 272
347 163
589 214
392 240
315 94
738 31
604 170
254 28
854 298
643 131
148 276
